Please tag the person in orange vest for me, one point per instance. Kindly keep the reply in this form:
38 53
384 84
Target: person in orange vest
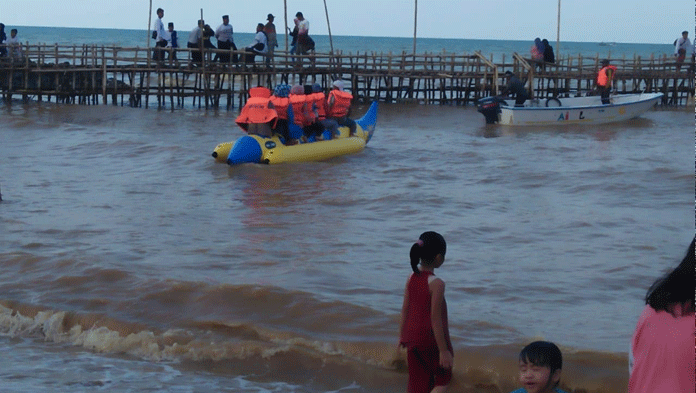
322 122
258 116
605 77
303 111
281 102
338 106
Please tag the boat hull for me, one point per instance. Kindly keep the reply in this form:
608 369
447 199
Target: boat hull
578 110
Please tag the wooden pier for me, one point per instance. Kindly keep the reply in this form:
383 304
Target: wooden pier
92 75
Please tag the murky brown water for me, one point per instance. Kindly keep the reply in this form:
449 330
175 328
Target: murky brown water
134 261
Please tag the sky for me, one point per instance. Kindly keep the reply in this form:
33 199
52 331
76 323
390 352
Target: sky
624 21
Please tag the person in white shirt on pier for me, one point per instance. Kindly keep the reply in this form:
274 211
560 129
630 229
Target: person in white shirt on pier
258 47
161 38
225 41
14 47
682 48
303 43
195 41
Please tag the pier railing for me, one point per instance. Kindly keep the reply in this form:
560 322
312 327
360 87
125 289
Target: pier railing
90 74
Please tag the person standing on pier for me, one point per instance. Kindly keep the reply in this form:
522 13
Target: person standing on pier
682 48
605 78
195 41
160 38
270 31
173 42
303 40
537 52
3 38
549 56
224 35
14 46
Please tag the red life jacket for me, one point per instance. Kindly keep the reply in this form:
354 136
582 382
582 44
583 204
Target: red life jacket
257 110
602 79
281 105
341 103
319 100
302 110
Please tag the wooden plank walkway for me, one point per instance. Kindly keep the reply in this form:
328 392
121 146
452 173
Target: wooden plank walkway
92 75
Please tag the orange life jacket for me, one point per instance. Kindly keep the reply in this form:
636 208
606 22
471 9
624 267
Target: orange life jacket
602 79
341 103
260 91
319 100
281 105
257 110
302 110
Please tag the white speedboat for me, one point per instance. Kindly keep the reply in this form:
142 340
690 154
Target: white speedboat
568 110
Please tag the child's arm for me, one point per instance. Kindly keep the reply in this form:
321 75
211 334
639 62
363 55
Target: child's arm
437 299
404 311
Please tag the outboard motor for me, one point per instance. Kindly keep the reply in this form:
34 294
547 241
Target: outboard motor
490 108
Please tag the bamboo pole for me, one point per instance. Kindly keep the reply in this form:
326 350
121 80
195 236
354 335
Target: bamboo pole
558 31
149 24
285 14
328 24
415 28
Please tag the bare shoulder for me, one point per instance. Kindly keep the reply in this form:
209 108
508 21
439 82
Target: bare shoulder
436 283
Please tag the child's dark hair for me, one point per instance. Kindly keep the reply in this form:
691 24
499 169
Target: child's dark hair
427 247
677 287
543 354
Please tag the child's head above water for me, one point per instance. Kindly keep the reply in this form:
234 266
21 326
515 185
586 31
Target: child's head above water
540 367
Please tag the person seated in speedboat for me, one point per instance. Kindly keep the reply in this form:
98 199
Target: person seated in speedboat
338 106
258 116
516 87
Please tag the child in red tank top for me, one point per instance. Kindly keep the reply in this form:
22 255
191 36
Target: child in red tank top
424 329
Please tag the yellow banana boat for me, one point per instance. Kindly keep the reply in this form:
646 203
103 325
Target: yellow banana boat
258 149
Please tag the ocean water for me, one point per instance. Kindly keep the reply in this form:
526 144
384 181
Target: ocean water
133 262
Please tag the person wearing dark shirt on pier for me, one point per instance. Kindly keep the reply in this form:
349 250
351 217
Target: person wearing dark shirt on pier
293 34
208 32
173 42
549 57
3 38
516 86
